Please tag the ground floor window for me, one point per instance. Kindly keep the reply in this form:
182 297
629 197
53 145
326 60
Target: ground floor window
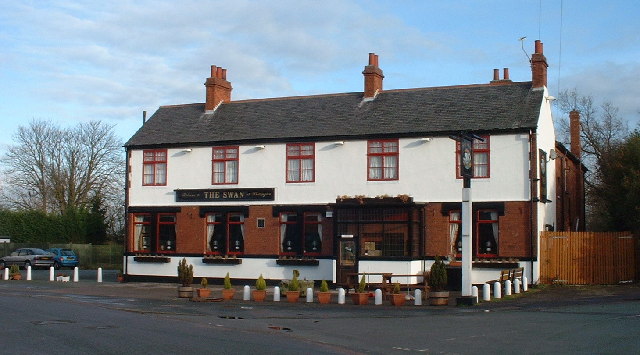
225 233
154 232
380 232
300 233
485 233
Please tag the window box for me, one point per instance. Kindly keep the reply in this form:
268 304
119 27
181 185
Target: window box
298 261
375 201
495 264
221 260
152 259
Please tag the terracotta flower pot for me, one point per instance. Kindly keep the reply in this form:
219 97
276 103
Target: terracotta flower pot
16 277
293 296
259 295
360 298
324 297
227 293
439 298
204 292
398 299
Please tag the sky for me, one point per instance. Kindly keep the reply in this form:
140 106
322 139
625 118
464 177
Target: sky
74 61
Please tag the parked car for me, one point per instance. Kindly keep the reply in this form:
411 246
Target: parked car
34 257
64 257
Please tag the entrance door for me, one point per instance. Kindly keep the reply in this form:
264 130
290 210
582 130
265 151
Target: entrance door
347 261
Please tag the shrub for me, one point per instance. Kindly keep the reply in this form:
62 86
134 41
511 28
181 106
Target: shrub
324 287
396 288
362 285
227 282
185 273
204 282
294 285
261 284
14 269
438 276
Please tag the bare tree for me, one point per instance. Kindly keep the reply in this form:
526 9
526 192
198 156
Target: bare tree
53 169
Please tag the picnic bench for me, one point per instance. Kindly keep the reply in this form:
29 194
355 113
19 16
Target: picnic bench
353 279
509 274
421 283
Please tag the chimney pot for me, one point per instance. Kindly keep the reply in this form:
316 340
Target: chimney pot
538 47
506 74
496 74
372 59
224 74
219 72
213 71
372 77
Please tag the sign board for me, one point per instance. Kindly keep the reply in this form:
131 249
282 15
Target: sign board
225 195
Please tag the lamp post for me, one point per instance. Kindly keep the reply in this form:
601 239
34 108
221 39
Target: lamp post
466 170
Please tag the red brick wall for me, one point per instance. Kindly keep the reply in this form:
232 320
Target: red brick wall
191 231
261 241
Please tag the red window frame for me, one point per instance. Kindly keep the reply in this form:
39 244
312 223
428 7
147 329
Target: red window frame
231 223
224 155
300 152
307 222
217 223
382 148
476 233
479 147
287 222
156 159
146 221
458 221
160 223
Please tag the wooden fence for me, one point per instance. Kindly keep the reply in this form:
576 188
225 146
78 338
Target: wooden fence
587 258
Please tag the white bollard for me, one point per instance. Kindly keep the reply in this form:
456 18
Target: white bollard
276 294
29 273
309 295
99 274
497 290
486 292
418 297
341 295
246 293
474 292
75 274
378 296
51 272
525 284
507 288
6 273
516 286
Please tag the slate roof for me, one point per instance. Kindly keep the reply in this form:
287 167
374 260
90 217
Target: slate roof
394 113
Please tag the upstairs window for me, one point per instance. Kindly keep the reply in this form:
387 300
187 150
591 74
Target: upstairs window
225 165
300 162
480 160
382 159
154 167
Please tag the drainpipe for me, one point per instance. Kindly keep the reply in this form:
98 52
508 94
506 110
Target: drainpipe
532 238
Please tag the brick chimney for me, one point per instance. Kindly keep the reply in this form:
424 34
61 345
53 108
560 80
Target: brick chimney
372 77
496 77
218 88
539 67
574 132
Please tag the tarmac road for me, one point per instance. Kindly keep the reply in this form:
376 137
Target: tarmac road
140 318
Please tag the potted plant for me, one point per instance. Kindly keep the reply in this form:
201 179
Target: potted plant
14 272
324 296
260 293
120 276
397 298
204 291
438 295
185 278
293 290
361 297
227 291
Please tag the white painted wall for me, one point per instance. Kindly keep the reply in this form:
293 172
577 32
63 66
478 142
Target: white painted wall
426 170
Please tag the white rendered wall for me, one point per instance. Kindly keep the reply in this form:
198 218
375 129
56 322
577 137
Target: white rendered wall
426 173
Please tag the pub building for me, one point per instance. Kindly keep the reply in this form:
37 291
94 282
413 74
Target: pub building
335 184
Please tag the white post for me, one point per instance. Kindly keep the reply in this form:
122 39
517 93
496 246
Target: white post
6 273
418 297
516 286
75 274
486 292
309 295
467 231
99 274
51 272
378 296
29 273
497 290
507 288
525 283
341 295
474 292
276 294
246 293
